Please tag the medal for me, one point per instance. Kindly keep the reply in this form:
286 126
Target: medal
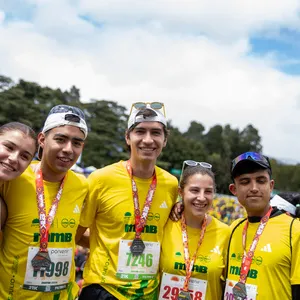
137 247
184 295
41 261
189 262
239 291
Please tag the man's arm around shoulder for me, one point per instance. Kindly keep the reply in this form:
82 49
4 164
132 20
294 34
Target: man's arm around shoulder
82 237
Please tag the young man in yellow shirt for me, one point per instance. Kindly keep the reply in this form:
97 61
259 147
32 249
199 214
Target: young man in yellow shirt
263 254
44 204
129 204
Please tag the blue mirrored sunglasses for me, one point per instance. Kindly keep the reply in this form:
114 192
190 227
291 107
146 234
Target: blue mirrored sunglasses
250 156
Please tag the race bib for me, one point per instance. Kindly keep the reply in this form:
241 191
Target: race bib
144 266
56 277
172 284
250 288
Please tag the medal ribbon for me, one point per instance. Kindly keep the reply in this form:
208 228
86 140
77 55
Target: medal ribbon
140 220
45 221
247 257
189 263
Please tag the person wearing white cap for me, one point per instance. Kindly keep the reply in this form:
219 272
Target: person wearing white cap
44 205
129 203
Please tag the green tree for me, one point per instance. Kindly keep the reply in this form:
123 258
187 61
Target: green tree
106 140
195 131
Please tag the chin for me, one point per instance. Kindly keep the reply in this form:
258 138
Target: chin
60 169
255 209
148 158
10 176
199 214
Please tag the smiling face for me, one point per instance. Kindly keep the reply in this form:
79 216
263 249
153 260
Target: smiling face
62 147
16 153
146 141
253 191
197 195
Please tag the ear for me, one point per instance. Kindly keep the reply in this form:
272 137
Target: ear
127 138
41 139
232 189
165 143
180 192
272 182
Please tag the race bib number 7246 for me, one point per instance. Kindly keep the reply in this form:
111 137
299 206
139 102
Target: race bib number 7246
143 266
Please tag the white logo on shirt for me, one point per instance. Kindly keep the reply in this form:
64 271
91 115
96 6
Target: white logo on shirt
76 210
164 205
266 248
216 250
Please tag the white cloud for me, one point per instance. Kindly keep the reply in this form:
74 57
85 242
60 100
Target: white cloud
218 18
2 16
198 77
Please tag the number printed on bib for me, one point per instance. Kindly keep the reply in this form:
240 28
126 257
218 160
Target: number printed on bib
55 277
171 285
144 266
250 288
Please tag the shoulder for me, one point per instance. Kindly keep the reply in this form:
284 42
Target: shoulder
76 178
283 220
171 225
220 226
107 173
27 177
296 226
236 223
165 177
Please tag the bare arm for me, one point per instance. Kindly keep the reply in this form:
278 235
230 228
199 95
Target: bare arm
82 237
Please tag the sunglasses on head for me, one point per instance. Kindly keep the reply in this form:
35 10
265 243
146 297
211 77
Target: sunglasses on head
193 163
250 156
144 105
73 112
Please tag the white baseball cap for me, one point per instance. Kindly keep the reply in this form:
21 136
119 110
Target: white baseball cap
61 115
146 114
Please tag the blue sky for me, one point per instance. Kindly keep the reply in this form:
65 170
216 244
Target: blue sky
285 45
228 62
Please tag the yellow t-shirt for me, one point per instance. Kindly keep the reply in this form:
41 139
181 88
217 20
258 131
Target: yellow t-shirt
21 232
109 212
274 269
210 259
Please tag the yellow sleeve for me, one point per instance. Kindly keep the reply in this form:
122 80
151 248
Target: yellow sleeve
91 203
295 267
227 232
